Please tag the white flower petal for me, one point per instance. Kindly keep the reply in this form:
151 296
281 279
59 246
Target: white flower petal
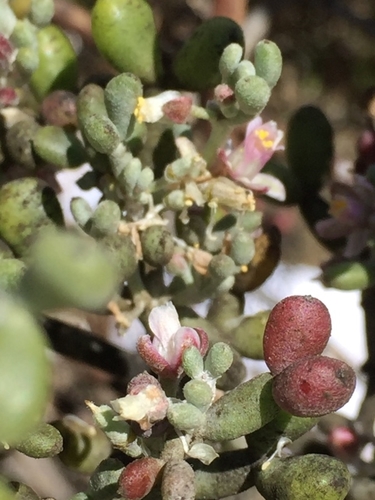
164 323
275 188
203 452
150 110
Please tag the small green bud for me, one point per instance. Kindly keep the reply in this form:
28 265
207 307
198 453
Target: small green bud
349 275
27 59
204 50
219 359
198 393
121 97
157 245
11 272
45 441
175 200
24 35
185 417
67 270
268 61
125 33
27 206
192 362
242 410
252 94
247 337
41 12
130 174
106 219
242 248
81 211
245 68
145 179
101 134
19 142
84 446
123 252
58 68
229 60
59 147
310 476
221 267
250 221
178 169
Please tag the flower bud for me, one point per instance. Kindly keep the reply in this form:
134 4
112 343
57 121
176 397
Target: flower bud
178 481
125 34
67 270
59 147
45 441
175 200
24 34
219 359
185 417
221 267
145 179
138 478
231 56
27 59
192 362
198 393
81 211
106 219
252 94
268 61
157 245
129 173
121 96
242 248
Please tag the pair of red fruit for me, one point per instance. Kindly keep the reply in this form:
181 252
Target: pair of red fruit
305 383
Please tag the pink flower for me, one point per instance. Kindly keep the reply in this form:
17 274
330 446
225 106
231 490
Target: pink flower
244 163
164 352
352 209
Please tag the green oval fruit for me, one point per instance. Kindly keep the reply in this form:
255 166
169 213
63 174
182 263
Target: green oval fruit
27 206
24 372
310 477
125 34
58 69
45 441
196 65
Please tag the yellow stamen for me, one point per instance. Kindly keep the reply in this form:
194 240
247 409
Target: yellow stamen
138 110
263 135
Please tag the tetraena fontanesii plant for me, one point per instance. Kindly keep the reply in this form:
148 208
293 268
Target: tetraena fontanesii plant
167 208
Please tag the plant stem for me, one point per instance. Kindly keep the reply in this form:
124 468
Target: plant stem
220 130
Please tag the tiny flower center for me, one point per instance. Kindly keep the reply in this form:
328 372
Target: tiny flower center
338 207
263 135
138 112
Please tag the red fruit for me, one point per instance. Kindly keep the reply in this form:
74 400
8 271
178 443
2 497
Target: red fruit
298 327
313 387
138 478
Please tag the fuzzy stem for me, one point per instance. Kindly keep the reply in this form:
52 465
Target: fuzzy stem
220 130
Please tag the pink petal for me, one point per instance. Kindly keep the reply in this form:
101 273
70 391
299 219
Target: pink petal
331 229
164 322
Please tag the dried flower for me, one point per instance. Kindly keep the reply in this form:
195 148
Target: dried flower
244 163
353 215
164 352
150 109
